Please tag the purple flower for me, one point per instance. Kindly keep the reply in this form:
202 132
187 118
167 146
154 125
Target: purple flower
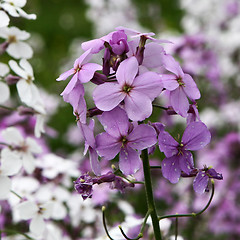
178 157
200 183
121 137
82 71
180 85
136 92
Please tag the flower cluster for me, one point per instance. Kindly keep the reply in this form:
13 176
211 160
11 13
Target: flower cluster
135 71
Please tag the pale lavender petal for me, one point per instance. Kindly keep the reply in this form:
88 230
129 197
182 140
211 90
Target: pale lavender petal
186 161
196 136
143 136
169 81
171 169
95 45
87 133
148 83
87 71
127 71
107 96
172 65
200 182
66 74
83 59
129 160
138 106
115 122
95 165
153 55
190 87
70 85
167 144
179 101
107 146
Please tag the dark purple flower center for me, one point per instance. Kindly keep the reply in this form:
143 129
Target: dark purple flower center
124 140
180 149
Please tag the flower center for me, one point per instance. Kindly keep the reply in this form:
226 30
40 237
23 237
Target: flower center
12 39
124 141
127 88
180 82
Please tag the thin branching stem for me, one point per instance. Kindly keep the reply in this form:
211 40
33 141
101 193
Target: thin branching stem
104 223
193 214
140 235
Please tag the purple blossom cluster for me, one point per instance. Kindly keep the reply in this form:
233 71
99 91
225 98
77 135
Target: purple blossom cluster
135 71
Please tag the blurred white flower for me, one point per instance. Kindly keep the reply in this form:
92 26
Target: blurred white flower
4 19
4 89
10 165
14 8
22 148
14 37
37 213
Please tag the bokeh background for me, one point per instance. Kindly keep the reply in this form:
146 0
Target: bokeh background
206 41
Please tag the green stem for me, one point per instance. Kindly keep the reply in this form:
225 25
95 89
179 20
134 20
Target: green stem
193 214
158 106
15 232
104 223
176 229
8 108
149 193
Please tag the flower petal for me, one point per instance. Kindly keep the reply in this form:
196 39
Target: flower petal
4 92
200 182
167 144
148 83
143 136
169 81
172 65
95 165
70 85
129 160
27 210
37 225
138 106
20 50
127 71
107 96
171 169
107 146
190 87
196 136
66 74
115 122
179 101
87 71
5 187
186 161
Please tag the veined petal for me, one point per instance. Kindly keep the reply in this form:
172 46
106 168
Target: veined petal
171 169
167 144
71 84
190 87
169 81
143 136
186 161
115 122
129 160
107 146
107 96
179 101
127 71
138 106
87 71
66 74
196 136
148 83
172 65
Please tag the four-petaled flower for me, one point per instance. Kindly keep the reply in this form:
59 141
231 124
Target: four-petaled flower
178 157
122 137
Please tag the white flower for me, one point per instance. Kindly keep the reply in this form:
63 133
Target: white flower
4 19
16 48
10 165
23 148
4 89
14 8
37 213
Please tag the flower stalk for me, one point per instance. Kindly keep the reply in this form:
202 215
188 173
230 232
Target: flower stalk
149 195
